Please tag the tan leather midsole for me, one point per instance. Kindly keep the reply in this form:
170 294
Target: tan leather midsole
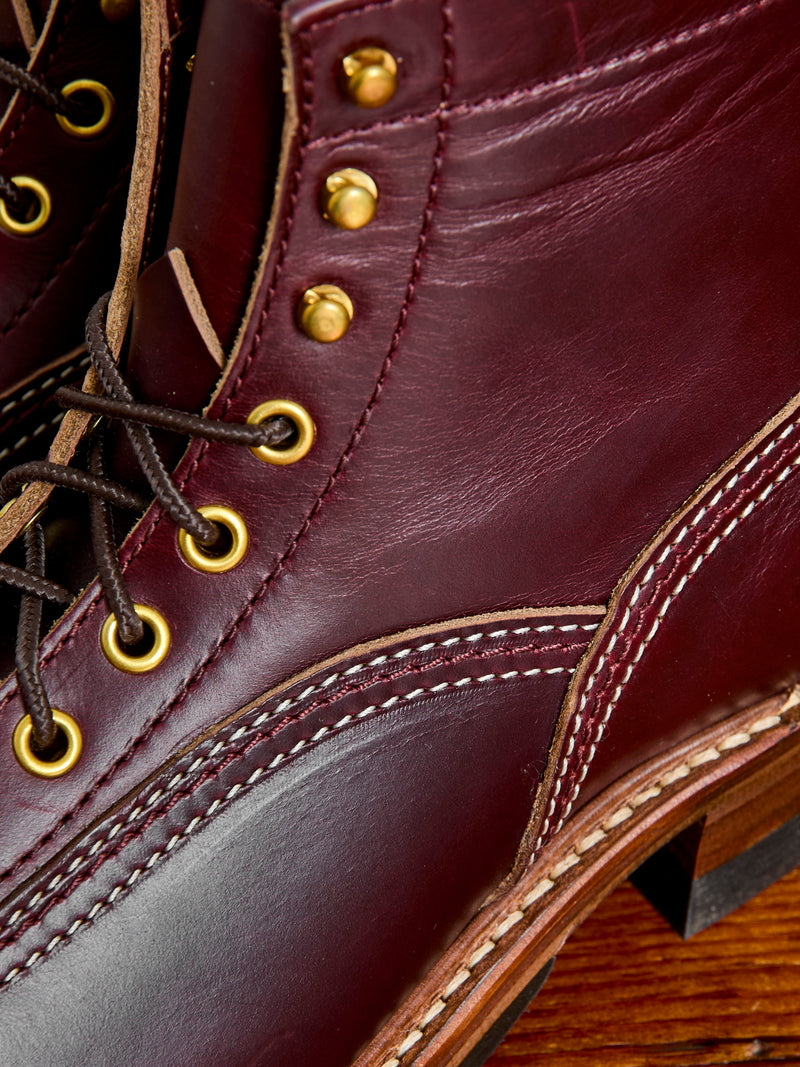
510 940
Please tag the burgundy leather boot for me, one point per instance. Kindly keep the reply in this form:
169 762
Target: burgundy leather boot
476 585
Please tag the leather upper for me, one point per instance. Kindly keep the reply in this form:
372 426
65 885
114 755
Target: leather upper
407 736
576 302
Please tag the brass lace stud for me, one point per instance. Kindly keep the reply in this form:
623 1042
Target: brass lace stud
349 199
371 76
325 313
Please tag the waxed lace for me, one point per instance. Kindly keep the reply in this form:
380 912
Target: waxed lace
105 493
20 201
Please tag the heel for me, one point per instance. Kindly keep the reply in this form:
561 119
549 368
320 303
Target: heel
747 839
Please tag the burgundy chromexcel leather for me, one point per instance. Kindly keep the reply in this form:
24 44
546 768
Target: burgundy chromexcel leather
554 465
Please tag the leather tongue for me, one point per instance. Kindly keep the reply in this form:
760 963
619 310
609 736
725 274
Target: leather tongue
171 325
189 304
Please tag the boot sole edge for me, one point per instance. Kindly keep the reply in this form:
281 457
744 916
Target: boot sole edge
485 974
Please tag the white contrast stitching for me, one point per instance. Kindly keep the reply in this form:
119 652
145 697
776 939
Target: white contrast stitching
289 704
601 725
572 859
378 661
44 386
28 437
390 702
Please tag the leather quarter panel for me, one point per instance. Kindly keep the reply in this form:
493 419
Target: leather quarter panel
728 638
459 728
700 627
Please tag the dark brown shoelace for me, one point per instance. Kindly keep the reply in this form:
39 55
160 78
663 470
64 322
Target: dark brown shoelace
104 493
19 201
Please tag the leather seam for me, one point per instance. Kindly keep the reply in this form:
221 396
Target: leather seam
333 478
642 643
300 700
518 908
31 435
637 55
218 802
44 386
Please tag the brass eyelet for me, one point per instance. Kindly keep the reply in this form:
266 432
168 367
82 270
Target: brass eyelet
107 103
124 661
200 558
306 431
33 764
27 227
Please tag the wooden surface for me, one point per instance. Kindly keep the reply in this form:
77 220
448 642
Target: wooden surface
628 992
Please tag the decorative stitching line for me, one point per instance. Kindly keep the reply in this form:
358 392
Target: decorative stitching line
636 55
89 607
28 437
428 646
338 727
572 859
45 386
727 487
285 706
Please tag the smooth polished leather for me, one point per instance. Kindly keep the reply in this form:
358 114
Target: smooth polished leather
715 615
577 300
224 195
446 769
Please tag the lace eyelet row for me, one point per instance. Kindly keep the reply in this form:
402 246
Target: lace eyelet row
41 208
348 201
158 638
